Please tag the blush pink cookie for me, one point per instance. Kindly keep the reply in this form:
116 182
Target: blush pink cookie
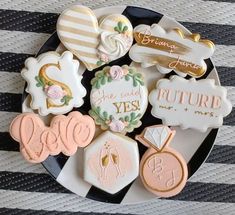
65 134
163 170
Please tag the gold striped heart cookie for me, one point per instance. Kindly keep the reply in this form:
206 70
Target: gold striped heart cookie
95 44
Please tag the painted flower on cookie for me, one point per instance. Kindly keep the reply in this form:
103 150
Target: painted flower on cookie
116 72
54 92
114 45
117 125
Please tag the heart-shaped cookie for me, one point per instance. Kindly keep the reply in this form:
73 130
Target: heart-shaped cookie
94 44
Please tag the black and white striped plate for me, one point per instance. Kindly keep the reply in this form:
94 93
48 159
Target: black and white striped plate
193 145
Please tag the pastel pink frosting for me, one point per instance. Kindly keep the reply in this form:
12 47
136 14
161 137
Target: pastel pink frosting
65 134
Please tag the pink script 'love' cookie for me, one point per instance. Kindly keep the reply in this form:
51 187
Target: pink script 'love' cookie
65 134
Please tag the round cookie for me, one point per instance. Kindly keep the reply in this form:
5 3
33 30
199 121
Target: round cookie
118 98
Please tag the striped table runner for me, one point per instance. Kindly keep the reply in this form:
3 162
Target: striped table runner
28 189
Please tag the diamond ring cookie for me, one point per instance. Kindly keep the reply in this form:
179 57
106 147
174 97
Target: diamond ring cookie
118 98
171 49
65 134
111 162
163 170
94 43
54 83
190 103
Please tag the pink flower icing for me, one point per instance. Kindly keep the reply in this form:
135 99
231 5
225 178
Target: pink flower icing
116 72
116 125
54 92
104 57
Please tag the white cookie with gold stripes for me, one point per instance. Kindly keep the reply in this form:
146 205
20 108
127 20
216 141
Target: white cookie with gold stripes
94 44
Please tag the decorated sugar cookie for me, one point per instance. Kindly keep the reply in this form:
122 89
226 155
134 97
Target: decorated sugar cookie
171 49
64 134
163 170
190 103
94 44
118 98
53 83
111 162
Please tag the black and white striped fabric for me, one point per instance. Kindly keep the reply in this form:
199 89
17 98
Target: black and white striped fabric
28 189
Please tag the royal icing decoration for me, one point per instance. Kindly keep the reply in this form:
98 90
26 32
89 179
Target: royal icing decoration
94 44
163 170
171 50
64 134
190 103
53 83
118 98
111 162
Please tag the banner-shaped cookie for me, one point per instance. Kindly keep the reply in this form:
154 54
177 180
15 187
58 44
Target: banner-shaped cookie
171 50
94 43
189 103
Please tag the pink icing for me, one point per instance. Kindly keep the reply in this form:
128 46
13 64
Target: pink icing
116 125
65 134
116 72
113 172
54 92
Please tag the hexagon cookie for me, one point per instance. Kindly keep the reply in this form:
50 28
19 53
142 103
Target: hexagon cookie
111 162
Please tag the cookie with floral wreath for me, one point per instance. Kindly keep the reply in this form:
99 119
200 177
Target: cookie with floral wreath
118 98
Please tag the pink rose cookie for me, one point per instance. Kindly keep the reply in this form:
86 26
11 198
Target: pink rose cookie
54 83
118 98
64 134
94 43
111 162
163 170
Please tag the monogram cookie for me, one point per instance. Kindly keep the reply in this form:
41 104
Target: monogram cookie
54 83
94 43
65 134
111 162
163 170
118 98
171 49
190 103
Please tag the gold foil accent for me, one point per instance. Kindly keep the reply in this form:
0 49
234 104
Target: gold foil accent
171 63
42 73
194 37
160 43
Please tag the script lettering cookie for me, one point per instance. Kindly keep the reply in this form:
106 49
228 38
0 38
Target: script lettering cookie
171 50
94 44
111 162
118 98
65 134
163 170
190 103
53 83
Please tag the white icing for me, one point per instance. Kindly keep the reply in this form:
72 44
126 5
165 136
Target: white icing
189 103
67 74
127 163
157 135
197 51
114 44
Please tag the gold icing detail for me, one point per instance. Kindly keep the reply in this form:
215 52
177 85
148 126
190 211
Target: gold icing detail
194 37
77 31
79 42
174 63
76 20
42 73
160 43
